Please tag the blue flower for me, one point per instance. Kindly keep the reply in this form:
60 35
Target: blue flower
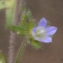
42 32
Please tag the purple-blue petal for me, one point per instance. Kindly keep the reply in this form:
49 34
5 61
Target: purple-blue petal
51 30
34 30
43 22
47 40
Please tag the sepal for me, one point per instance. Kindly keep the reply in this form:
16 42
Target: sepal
35 44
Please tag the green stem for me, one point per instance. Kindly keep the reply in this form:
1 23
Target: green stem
21 50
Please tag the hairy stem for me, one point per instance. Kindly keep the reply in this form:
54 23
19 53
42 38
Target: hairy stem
11 57
21 50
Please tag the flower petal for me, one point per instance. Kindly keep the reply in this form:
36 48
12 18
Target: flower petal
43 22
44 40
47 40
34 30
51 30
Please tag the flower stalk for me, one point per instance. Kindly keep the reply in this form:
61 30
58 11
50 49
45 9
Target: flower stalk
21 51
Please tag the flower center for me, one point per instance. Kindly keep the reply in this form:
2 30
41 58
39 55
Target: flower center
41 32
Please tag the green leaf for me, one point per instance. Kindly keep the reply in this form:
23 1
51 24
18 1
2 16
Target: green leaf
30 25
24 16
29 15
2 6
2 58
9 17
19 30
9 12
9 3
35 44
6 4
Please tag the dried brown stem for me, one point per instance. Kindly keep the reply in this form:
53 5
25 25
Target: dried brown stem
11 57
